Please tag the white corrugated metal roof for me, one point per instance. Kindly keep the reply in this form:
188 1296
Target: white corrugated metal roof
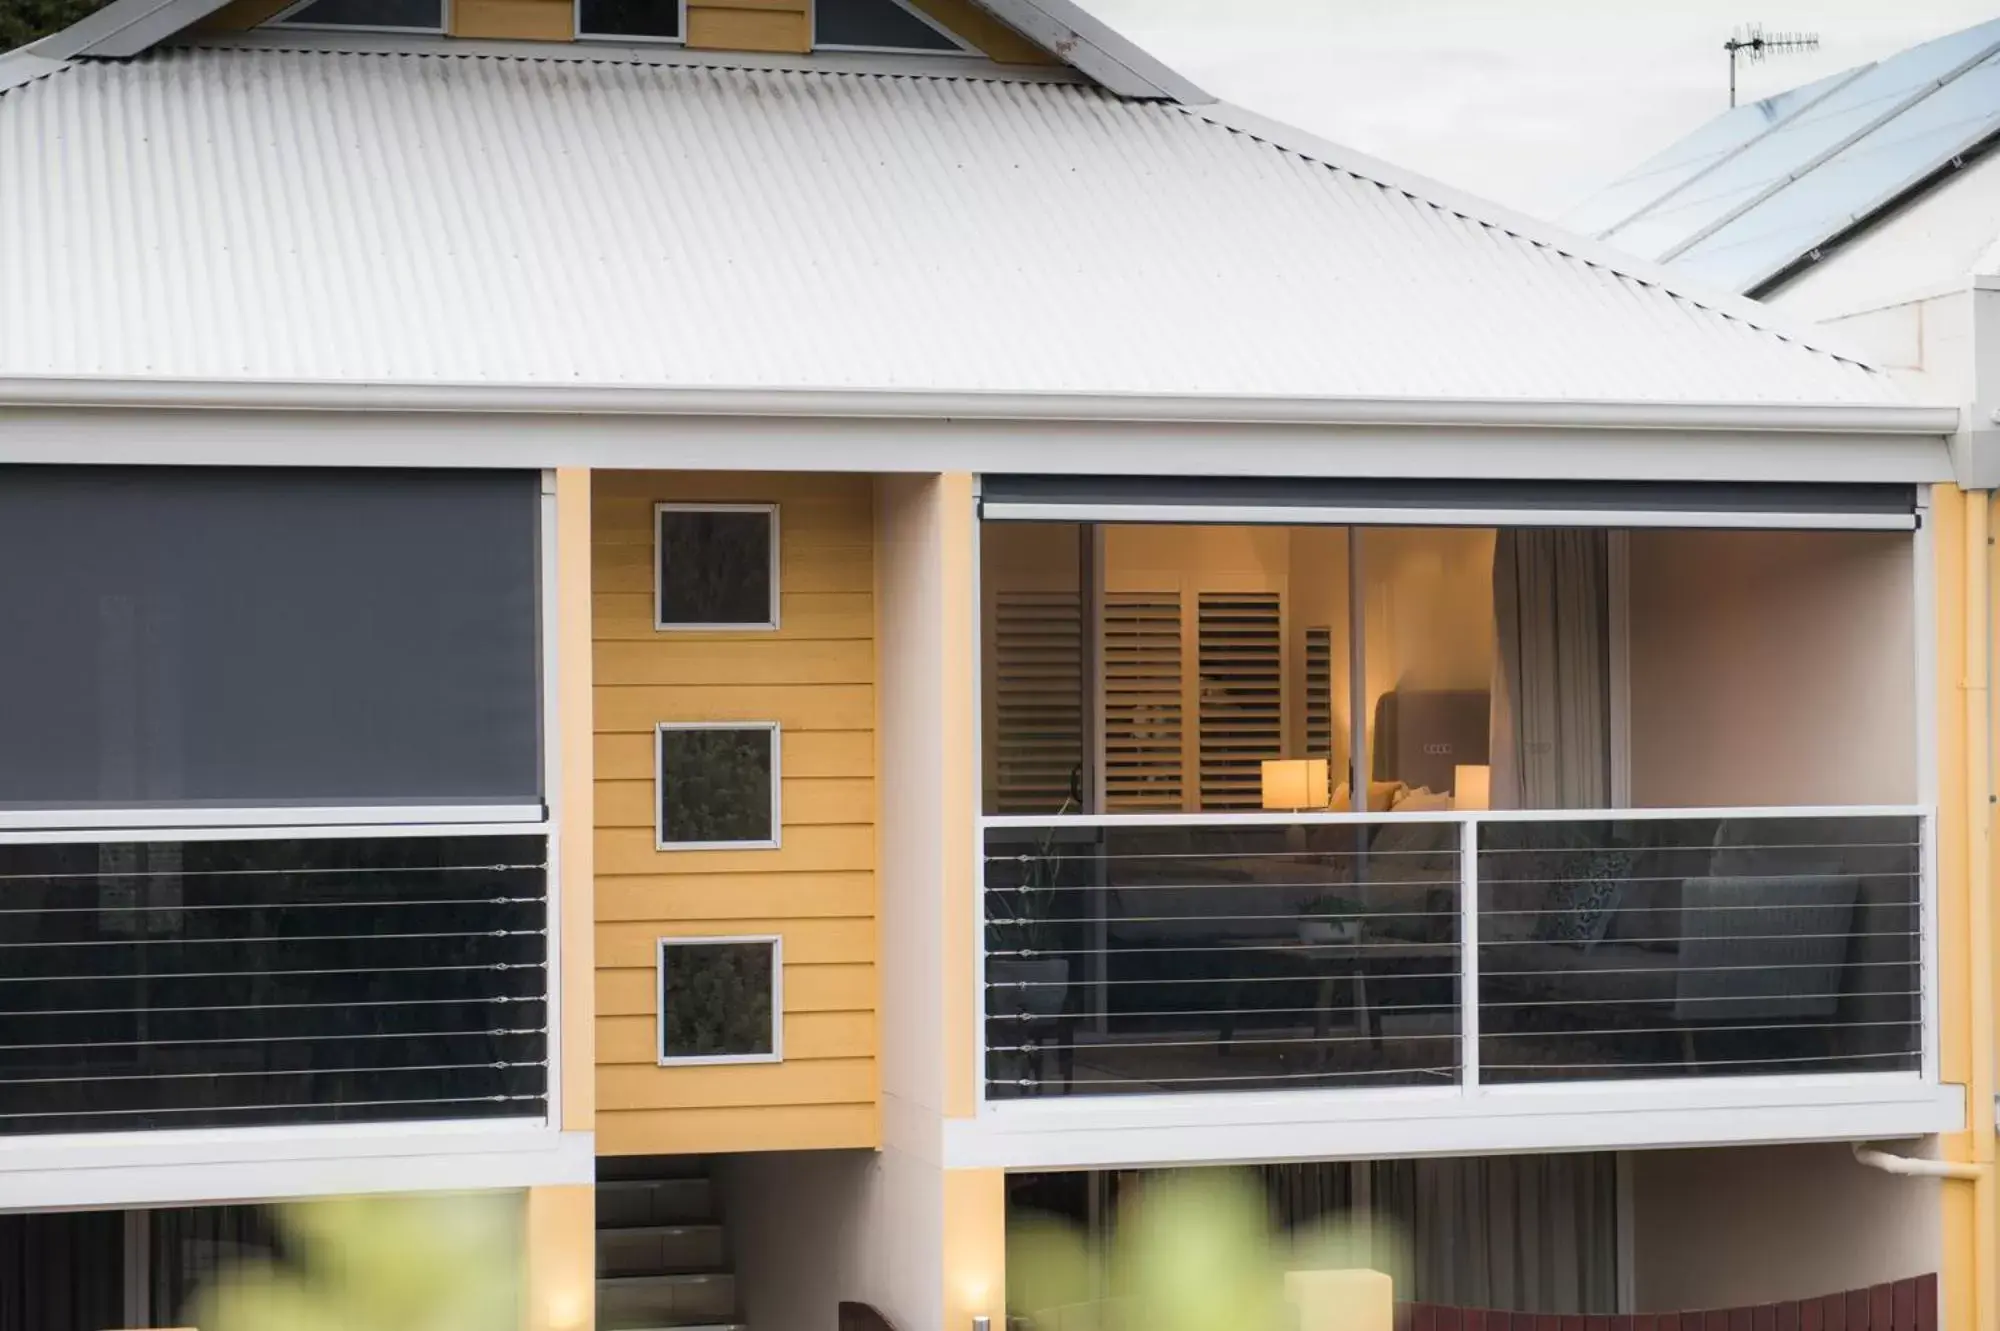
262 215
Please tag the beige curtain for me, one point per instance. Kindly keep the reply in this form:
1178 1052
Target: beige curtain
1551 728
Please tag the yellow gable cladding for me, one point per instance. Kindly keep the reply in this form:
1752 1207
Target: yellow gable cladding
777 26
815 677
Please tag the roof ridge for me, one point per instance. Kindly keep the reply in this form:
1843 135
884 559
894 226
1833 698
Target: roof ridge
1583 249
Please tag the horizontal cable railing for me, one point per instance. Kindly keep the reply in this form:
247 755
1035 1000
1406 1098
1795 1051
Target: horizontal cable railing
1136 954
235 983
1746 944
1220 957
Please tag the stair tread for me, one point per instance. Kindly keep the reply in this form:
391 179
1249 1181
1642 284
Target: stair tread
667 1278
656 1324
664 1227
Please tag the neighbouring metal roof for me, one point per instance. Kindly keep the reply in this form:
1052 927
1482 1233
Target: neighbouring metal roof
254 214
1764 187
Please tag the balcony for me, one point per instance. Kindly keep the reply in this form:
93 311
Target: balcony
312 979
1164 954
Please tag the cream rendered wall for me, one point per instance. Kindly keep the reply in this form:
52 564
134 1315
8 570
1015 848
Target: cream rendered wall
1930 243
1726 1228
1772 668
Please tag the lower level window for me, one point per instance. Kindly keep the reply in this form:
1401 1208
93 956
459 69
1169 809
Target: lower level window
721 1000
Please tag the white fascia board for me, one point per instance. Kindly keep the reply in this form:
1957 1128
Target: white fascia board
191 1167
1074 36
894 404
1755 313
145 437
1134 1132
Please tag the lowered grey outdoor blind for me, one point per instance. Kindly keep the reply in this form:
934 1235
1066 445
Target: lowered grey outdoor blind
186 636
1461 503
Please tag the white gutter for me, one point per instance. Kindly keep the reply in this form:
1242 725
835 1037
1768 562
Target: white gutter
1856 418
1911 1168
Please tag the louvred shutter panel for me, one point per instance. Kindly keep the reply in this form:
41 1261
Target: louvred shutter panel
1038 651
1143 727
1241 715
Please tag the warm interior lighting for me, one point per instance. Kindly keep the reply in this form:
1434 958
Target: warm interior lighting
1295 783
1471 786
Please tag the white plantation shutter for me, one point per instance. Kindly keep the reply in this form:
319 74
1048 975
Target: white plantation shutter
1241 706
1143 727
1319 695
1038 738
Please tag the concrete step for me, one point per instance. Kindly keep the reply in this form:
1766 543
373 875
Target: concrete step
691 1297
639 1250
635 1203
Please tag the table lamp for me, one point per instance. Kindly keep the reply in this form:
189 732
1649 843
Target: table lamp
1471 786
1291 784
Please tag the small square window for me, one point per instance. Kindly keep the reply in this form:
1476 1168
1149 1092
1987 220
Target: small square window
715 566
630 20
721 1000
717 785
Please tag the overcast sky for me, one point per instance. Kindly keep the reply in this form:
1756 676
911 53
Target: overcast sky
1534 103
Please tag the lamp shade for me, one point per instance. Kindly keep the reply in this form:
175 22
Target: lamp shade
1295 783
1471 786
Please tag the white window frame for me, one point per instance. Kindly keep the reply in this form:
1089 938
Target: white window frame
770 624
777 837
632 39
965 48
282 19
777 1054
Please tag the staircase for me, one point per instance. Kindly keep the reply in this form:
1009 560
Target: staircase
662 1262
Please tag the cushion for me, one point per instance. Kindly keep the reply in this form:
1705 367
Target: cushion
1422 800
1584 903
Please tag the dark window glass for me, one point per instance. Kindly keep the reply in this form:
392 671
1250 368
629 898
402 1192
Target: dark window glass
715 568
216 636
716 785
881 24
423 15
716 999
630 18
235 983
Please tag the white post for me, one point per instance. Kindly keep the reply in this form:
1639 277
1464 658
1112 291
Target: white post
1468 960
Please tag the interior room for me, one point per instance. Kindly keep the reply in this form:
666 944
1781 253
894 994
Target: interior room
1334 730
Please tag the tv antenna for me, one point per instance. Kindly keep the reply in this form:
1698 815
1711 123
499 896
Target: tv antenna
1753 44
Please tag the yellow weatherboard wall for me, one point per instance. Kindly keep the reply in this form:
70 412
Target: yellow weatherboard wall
780 26
815 678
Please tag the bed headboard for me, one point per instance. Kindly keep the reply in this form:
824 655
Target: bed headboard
1421 735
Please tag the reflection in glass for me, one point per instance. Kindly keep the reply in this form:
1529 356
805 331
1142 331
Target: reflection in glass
658 19
1219 958
715 999
716 785
715 568
229 983
1698 947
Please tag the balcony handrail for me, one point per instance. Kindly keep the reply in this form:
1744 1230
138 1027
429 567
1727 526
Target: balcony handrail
1003 821
1475 902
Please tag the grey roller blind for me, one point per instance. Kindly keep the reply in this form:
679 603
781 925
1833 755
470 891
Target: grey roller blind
1462 503
254 637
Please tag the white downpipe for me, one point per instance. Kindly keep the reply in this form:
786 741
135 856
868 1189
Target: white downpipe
1909 1167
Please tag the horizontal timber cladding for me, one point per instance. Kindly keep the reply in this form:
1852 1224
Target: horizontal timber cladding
815 677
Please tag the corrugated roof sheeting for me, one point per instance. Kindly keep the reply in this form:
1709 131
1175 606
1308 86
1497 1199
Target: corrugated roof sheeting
257 214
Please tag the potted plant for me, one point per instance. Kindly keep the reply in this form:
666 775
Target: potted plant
1330 918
